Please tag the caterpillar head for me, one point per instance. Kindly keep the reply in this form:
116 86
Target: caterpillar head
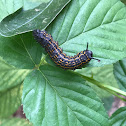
90 54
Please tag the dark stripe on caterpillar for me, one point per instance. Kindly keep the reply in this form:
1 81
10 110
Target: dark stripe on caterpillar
57 55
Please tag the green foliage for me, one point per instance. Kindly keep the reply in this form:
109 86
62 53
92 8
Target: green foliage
14 122
20 51
120 73
108 102
87 21
39 17
101 74
52 96
8 7
61 98
124 1
119 117
10 88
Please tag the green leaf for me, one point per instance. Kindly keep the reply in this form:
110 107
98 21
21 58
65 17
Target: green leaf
119 117
8 7
101 23
52 96
108 102
39 17
20 51
124 1
10 76
10 100
30 4
14 122
10 88
120 73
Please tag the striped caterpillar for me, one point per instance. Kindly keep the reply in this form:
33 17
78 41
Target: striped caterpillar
57 55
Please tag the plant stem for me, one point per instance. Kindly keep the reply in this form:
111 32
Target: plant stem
123 99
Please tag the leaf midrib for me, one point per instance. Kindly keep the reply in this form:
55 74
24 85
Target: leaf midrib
58 94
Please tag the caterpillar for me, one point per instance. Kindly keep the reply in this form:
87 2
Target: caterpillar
57 55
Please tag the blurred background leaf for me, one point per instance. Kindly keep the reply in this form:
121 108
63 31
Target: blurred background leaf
120 73
10 88
124 1
118 118
14 122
